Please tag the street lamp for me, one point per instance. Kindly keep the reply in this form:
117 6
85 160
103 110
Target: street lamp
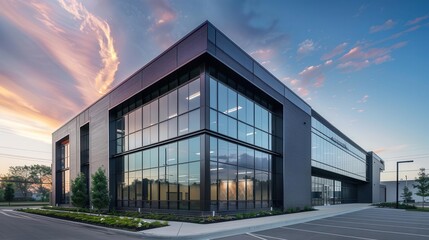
397 180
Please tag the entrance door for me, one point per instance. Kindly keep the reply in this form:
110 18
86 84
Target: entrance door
326 195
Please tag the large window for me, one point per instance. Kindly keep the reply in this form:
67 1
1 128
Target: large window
173 114
63 171
166 177
236 116
330 152
240 177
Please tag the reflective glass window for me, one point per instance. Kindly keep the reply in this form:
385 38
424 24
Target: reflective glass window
194 120
183 99
172 104
194 94
213 93
163 108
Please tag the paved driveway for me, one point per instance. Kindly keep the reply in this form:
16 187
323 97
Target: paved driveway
369 224
19 226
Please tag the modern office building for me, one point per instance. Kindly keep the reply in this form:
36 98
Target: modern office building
204 127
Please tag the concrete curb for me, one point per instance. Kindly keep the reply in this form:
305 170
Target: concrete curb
216 233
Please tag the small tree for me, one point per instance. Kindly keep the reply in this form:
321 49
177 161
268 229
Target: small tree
99 190
79 195
9 193
407 195
422 185
1 195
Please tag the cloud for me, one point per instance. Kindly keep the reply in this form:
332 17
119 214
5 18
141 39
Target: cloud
359 57
383 59
354 65
383 27
417 20
306 47
85 51
163 18
101 30
315 75
394 148
335 52
359 110
364 99
59 58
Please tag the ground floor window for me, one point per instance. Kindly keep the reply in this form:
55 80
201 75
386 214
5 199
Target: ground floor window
240 177
325 191
163 177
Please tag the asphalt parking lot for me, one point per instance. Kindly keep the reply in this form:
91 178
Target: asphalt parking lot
368 224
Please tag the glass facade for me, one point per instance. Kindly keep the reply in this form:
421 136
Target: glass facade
63 171
240 177
325 191
173 114
84 155
234 115
166 177
240 174
332 153
152 169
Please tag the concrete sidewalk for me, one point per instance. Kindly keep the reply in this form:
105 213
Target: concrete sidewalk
182 230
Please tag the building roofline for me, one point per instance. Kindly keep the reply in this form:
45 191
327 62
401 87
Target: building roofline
136 72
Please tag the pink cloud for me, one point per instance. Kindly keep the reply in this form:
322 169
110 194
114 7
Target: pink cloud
89 58
352 66
303 91
358 57
163 18
383 27
417 20
335 52
382 59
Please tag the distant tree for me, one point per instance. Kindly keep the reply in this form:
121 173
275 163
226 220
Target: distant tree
9 193
20 175
422 185
99 190
41 177
1 194
407 195
79 195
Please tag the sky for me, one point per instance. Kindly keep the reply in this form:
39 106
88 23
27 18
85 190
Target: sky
363 65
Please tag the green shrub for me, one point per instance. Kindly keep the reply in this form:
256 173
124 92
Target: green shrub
121 222
393 205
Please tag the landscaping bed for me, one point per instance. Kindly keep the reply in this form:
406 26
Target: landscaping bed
119 222
393 205
191 219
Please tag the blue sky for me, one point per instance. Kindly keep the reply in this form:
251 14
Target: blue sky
361 64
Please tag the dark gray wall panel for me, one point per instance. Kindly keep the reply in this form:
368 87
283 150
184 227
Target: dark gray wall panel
289 94
267 89
297 157
211 33
268 78
125 90
231 63
192 46
235 52
160 67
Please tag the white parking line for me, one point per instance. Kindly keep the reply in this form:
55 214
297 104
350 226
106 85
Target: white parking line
13 215
264 237
326 233
365 229
252 235
383 220
375 224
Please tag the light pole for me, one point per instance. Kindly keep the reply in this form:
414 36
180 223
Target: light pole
397 180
